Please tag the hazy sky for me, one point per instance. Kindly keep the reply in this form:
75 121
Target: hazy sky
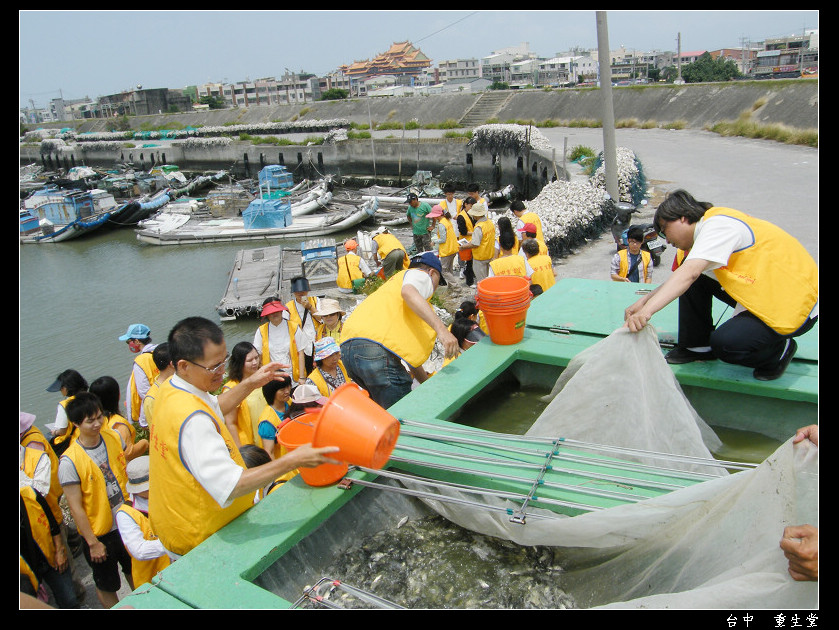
75 54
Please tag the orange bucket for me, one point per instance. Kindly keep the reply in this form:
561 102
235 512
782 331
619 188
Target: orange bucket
362 429
503 287
297 432
506 325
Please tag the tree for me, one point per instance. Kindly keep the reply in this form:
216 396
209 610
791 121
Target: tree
334 94
215 102
499 85
707 69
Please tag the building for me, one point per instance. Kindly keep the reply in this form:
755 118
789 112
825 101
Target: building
456 69
791 56
401 60
498 65
567 70
143 102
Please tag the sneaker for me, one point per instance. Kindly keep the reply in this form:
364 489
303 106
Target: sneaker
770 374
679 355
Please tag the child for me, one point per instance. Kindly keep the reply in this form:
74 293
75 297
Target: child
92 473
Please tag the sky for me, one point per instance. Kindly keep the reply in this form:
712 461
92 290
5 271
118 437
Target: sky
77 54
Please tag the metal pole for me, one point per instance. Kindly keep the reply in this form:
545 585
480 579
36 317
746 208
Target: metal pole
609 146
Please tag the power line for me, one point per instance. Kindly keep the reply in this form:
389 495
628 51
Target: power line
448 26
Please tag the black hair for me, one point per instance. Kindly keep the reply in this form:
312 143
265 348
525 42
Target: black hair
466 309
536 289
268 300
449 188
83 405
106 390
160 356
636 233
72 381
517 206
188 338
254 455
473 188
462 327
270 389
470 200
236 363
506 241
678 204
530 247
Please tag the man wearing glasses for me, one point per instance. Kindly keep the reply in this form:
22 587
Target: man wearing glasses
750 264
200 482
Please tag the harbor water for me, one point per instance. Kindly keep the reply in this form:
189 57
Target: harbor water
77 297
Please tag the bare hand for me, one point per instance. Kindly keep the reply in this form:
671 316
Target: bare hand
449 341
270 372
809 432
309 457
98 553
801 547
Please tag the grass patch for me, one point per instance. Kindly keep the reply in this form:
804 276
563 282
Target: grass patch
746 127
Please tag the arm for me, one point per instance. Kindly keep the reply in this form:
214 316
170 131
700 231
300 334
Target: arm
638 315
303 456
73 492
424 310
230 400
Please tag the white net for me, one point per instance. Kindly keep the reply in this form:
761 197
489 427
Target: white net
711 545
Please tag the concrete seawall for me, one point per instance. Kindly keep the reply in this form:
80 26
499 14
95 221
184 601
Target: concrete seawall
792 103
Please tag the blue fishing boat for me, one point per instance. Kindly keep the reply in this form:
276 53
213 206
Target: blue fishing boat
64 214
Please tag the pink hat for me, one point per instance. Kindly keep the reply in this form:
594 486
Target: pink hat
26 421
273 307
436 211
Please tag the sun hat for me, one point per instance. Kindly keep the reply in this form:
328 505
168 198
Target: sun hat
304 394
430 259
273 307
350 245
478 210
136 331
299 285
436 211
325 347
380 230
328 306
26 421
137 471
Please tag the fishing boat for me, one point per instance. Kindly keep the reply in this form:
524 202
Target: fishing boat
182 229
278 551
131 213
64 214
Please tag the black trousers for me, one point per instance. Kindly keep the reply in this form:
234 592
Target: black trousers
743 339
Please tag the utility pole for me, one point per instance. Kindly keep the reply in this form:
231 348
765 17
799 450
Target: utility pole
609 147
679 79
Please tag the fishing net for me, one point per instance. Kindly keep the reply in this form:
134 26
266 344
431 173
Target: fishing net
714 544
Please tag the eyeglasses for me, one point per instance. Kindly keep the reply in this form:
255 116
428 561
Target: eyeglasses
215 369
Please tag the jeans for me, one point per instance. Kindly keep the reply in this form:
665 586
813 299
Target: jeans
377 370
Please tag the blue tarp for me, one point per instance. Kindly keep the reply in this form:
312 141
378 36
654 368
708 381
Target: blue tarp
264 214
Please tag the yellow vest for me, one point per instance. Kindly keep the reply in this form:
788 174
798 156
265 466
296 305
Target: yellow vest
146 363
512 265
292 348
72 430
486 250
94 491
151 396
320 381
116 419
244 425
623 269
775 279
143 571
543 273
457 203
39 524
532 217
336 334
448 247
295 318
26 570
387 243
34 436
348 270
181 512
270 415
386 319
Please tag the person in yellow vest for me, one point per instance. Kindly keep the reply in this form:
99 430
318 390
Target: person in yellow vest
92 473
160 356
540 266
200 480
528 231
277 395
245 360
524 216
444 239
632 264
106 389
69 383
351 267
467 333
329 372
469 309
43 554
390 250
394 324
301 311
452 206
465 225
143 371
760 270
281 340
148 556
332 315
483 241
507 263
505 225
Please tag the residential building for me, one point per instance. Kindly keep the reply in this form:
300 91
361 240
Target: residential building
791 56
458 69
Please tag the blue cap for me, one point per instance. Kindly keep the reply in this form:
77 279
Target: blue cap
136 331
432 260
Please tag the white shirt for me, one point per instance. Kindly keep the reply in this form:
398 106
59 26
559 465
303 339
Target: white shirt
420 280
308 327
40 479
132 535
141 382
279 345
